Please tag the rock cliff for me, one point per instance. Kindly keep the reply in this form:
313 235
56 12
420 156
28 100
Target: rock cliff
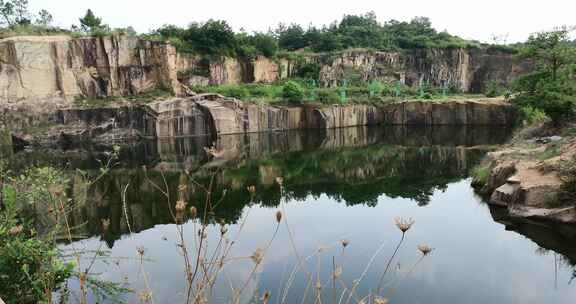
59 68
213 114
527 185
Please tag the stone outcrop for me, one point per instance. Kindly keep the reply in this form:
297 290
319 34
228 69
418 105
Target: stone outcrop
468 70
521 184
489 111
59 68
215 115
212 114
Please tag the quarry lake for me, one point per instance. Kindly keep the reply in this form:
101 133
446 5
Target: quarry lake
319 224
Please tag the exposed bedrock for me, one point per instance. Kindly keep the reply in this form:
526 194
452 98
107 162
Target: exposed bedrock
524 189
215 115
186 116
58 69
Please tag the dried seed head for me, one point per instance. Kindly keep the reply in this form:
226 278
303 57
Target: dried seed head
337 272
182 188
404 224
318 285
141 250
181 205
193 212
278 216
223 229
202 233
381 301
345 243
145 296
280 180
56 191
16 230
265 297
425 249
251 189
258 256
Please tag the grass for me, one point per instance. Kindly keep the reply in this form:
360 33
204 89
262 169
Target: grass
272 93
480 174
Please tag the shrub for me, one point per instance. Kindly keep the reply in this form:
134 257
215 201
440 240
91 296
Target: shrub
493 89
530 115
235 91
293 92
25 258
328 96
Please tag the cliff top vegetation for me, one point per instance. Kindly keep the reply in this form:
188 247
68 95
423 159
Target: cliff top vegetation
217 38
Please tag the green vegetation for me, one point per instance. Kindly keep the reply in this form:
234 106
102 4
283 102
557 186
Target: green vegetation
216 38
551 87
375 92
293 92
364 31
480 174
27 259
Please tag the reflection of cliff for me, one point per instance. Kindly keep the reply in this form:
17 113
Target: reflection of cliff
549 236
354 166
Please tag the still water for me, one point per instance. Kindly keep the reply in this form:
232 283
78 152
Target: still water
346 184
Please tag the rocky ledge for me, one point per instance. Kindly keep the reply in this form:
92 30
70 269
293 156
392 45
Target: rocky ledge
532 178
214 115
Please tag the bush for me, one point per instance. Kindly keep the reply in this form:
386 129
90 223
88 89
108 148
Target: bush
328 96
235 91
493 89
25 258
292 92
530 115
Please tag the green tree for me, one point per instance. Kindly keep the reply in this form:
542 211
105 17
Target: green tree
14 12
265 44
291 37
91 23
550 87
293 92
214 37
44 18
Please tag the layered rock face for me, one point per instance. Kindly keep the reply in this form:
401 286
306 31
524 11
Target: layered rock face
520 184
463 69
213 114
58 68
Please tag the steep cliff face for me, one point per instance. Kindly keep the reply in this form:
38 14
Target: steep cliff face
527 185
217 116
465 70
56 68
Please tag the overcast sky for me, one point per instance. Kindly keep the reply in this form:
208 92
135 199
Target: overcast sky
479 19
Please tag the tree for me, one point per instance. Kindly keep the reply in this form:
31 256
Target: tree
550 87
91 23
291 37
14 12
293 92
44 18
214 37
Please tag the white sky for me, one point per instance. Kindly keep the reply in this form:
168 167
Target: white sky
479 19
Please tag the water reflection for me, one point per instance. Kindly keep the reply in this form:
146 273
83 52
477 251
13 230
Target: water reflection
352 166
345 183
